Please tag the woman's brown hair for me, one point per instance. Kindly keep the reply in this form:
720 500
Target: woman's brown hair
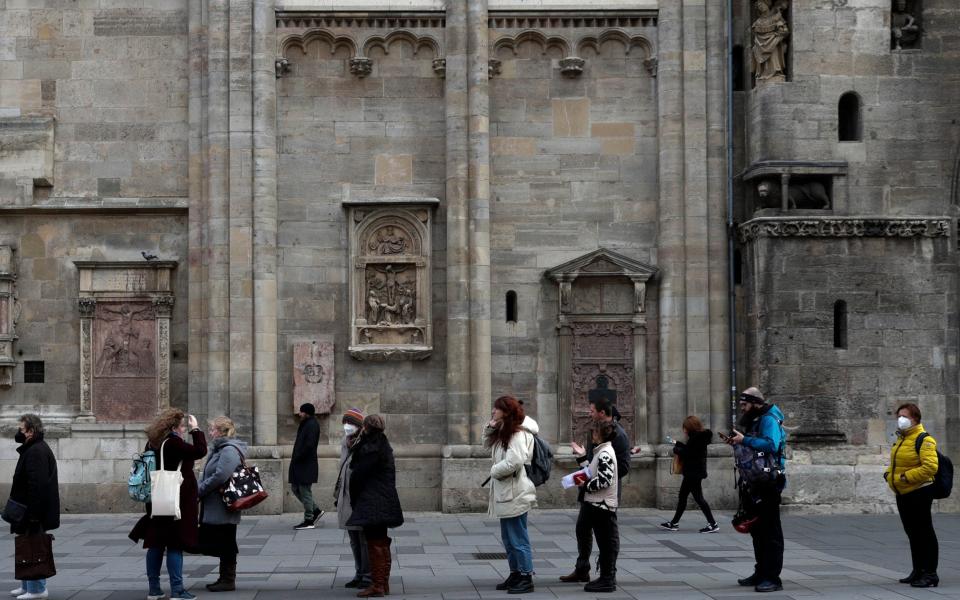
162 425
693 424
604 430
512 419
912 409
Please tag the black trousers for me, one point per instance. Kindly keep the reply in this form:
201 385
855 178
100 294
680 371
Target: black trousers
692 485
585 533
767 534
603 524
375 533
917 522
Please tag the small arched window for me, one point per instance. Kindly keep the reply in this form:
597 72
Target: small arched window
849 118
511 307
840 324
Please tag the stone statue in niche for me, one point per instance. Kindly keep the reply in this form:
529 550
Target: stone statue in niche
387 241
127 347
804 195
770 32
390 300
904 29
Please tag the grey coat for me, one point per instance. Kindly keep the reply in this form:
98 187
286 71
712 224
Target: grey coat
222 462
342 493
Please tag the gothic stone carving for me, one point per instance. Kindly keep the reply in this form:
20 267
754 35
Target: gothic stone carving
281 67
904 29
806 194
8 316
361 67
313 375
440 67
390 282
494 67
572 66
839 227
602 366
770 32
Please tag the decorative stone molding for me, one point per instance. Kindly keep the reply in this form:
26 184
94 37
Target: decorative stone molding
844 227
494 68
365 20
9 310
281 66
359 43
361 67
440 67
602 346
567 20
390 289
572 66
125 309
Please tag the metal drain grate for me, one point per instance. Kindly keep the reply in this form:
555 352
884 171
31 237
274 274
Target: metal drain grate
490 555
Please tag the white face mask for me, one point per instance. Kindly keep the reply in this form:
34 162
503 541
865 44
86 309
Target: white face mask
350 429
904 423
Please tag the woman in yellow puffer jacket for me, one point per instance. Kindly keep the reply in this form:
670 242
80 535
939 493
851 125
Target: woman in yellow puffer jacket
910 476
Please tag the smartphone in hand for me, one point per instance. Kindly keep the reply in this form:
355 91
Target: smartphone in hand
724 436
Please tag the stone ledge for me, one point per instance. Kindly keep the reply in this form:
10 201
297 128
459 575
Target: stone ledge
845 227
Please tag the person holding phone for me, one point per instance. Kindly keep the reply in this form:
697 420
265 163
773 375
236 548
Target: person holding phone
166 535
693 455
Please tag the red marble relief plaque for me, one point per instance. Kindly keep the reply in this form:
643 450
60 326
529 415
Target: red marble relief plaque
124 361
313 376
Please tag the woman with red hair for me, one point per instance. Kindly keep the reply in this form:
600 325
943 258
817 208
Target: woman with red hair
509 435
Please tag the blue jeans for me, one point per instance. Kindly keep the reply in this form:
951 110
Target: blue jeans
174 569
37 586
516 541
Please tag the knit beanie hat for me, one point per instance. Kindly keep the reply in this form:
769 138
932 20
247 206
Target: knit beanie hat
308 408
751 395
354 416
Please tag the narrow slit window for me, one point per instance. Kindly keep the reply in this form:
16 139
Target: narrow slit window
33 371
511 307
737 59
840 324
850 120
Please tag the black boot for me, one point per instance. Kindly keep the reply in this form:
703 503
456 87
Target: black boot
524 585
603 584
749 581
578 576
911 577
228 577
768 586
509 581
925 580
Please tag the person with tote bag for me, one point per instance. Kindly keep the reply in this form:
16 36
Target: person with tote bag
164 532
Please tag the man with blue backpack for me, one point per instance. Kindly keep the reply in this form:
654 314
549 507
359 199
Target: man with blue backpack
761 465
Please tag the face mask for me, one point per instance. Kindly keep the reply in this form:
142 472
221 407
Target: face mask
350 429
903 423
20 437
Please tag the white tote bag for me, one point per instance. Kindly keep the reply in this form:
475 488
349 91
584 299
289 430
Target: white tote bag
165 490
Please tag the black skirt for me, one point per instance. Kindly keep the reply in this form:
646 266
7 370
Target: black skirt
218 540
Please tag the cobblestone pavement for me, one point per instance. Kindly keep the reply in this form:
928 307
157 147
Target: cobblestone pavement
841 557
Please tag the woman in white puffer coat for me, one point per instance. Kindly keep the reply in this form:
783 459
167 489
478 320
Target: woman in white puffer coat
509 435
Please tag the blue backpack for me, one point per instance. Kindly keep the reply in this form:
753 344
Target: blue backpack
138 484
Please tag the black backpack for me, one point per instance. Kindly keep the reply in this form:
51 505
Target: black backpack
943 480
540 463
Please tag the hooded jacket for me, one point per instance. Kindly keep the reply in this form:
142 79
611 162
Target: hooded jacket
511 491
226 454
373 483
918 469
693 453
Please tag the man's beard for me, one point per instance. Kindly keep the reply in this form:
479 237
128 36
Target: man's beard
746 419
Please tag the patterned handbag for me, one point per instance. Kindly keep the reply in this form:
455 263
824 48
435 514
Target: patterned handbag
244 489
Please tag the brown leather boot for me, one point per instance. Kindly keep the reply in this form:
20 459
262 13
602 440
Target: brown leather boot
388 563
378 570
578 576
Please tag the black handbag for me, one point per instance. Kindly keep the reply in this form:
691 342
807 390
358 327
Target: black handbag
14 512
33 557
244 489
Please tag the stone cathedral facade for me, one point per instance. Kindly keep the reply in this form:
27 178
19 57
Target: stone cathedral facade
413 206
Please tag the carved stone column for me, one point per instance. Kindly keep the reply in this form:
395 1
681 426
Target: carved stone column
164 311
8 316
87 308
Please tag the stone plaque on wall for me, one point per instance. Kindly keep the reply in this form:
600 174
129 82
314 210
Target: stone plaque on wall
125 312
390 250
313 376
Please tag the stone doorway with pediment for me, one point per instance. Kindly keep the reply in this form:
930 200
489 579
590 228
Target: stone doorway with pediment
602 336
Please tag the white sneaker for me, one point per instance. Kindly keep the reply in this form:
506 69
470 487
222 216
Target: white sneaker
157 597
18 591
33 596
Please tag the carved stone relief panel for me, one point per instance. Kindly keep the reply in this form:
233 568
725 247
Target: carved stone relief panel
390 279
125 311
603 366
8 315
313 375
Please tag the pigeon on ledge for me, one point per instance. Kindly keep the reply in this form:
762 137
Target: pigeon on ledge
147 256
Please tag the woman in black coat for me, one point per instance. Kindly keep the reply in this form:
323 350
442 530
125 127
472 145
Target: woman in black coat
693 455
161 534
374 500
34 486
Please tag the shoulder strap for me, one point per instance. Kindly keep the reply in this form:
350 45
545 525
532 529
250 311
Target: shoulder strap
237 448
161 453
919 441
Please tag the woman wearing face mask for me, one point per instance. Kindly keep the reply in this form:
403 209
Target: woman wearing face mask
910 476
352 422
165 535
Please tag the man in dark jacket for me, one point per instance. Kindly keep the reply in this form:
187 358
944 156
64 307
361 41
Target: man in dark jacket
600 410
303 465
35 485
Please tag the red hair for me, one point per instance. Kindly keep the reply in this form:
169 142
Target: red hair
512 419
